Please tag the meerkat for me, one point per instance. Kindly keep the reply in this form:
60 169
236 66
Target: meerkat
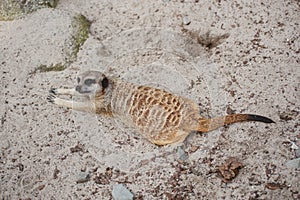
158 115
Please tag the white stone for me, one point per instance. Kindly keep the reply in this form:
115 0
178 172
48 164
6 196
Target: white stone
121 193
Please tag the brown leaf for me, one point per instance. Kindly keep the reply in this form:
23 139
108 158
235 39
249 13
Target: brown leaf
55 173
230 169
104 178
194 149
274 186
77 148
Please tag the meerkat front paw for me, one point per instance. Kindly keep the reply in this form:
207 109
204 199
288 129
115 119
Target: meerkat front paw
53 91
51 98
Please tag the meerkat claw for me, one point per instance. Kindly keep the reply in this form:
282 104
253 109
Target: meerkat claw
51 98
53 91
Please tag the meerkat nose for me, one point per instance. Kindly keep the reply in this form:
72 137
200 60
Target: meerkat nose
78 88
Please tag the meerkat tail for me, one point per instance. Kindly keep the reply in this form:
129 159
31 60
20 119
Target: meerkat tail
206 125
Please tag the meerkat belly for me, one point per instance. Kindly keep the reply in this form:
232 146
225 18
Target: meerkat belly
152 111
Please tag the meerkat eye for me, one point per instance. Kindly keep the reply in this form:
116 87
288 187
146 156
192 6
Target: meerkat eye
89 81
78 79
104 83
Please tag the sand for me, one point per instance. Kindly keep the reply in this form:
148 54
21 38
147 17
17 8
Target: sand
49 152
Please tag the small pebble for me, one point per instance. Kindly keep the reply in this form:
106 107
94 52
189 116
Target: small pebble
182 154
103 51
297 153
51 3
4 144
121 193
82 177
294 146
295 163
186 20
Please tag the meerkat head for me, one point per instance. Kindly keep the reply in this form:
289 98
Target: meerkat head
91 82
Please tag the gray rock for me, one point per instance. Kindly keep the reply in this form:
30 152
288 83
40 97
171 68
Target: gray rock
297 153
82 177
182 154
186 20
121 193
295 163
4 144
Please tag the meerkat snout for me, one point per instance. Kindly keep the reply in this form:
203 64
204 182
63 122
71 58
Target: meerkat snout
78 88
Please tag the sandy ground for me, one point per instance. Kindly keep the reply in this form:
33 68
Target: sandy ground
45 149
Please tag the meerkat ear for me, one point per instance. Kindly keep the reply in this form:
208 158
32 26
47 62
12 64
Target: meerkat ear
104 83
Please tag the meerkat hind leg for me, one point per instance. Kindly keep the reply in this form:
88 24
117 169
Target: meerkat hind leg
173 137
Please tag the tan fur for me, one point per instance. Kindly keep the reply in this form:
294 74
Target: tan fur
160 116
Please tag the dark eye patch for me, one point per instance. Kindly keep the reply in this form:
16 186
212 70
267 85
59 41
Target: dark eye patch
89 81
78 79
